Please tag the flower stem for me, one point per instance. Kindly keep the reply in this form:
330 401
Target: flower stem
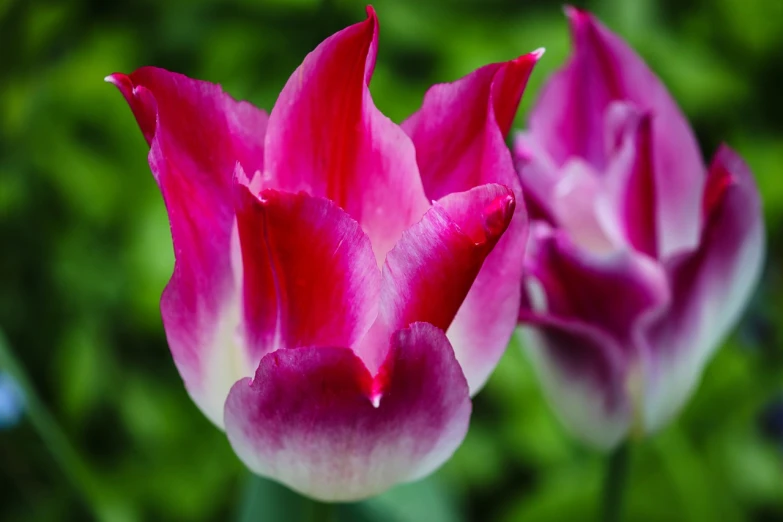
320 512
53 437
614 483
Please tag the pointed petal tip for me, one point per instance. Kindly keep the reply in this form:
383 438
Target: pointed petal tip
579 20
121 81
577 14
726 154
731 169
497 215
372 19
482 213
529 59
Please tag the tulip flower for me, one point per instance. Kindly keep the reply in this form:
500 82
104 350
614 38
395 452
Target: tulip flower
342 284
640 259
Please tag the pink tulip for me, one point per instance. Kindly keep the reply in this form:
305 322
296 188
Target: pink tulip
342 284
641 259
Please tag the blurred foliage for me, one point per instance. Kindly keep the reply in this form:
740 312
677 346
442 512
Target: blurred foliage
86 252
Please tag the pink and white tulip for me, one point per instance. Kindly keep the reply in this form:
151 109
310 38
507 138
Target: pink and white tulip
335 273
640 259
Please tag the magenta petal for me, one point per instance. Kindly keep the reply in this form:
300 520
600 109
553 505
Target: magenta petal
429 272
197 135
579 206
459 134
308 417
539 176
431 269
611 292
583 374
207 129
710 287
460 129
630 179
584 320
310 276
568 118
326 137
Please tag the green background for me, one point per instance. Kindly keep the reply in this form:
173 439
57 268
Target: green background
85 252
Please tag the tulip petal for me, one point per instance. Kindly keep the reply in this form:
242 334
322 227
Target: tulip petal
197 135
582 377
327 137
583 330
611 292
710 288
460 129
578 203
310 276
459 134
308 418
630 178
570 113
207 130
430 271
539 176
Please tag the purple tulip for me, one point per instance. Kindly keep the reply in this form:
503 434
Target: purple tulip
640 259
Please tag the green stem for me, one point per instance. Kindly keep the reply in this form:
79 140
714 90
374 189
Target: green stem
614 483
53 437
265 500
320 512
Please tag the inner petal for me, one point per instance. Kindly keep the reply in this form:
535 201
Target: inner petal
577 207
326 137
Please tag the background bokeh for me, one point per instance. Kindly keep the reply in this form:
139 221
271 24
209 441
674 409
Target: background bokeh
85 252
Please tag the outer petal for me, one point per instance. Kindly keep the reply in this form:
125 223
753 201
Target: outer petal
431 269
583 378
310 276
460 126
610 292
459 136
307 418
327 137
583 323
569 116
197 134
711 288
